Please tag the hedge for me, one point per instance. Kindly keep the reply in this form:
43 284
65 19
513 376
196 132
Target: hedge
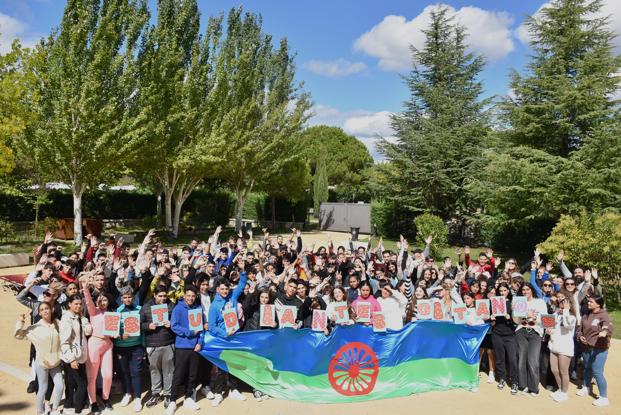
203 206
102 204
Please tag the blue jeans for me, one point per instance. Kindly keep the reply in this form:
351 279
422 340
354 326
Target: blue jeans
594 361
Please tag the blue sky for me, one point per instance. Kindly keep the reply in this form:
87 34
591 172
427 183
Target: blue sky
350 54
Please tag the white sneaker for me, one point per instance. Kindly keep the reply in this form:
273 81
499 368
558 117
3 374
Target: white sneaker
68 411
524 392
582 391
126 399
207 392
217 400
490 377
601 401
172 407
137 405
235 394
560 397
190 404
553 394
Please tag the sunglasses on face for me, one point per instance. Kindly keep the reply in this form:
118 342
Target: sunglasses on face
47 294
528 323
570 283
547 285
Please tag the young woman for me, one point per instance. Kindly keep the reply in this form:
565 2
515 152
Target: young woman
99 348
46 340
419 294
393 305
366 294
505 346
528 335
561 343
339 295
73 329
252 310
594 335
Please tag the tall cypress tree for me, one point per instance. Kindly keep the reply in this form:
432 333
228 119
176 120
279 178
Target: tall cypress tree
443 125
566 92
320 184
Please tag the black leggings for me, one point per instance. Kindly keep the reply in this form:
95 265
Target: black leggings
75 387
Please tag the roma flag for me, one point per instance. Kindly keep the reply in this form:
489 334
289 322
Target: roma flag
353 363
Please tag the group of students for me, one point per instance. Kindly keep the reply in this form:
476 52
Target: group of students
70 296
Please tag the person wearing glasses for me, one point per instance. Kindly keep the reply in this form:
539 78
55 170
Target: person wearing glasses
594 335
528 336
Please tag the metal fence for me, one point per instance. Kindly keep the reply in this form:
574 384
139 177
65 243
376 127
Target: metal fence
344 216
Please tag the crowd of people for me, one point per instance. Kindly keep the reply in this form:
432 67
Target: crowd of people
73 354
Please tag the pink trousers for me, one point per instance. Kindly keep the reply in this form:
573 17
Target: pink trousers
99 358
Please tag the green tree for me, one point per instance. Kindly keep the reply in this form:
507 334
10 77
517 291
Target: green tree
566 92
15 112
178 101
288 179
561 152
85 82
320 184
443 126
346 159
260 110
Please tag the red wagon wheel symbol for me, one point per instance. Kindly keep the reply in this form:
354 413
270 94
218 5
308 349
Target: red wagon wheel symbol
353 370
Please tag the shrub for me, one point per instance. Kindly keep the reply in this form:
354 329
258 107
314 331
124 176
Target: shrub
7 231
428 224
592 241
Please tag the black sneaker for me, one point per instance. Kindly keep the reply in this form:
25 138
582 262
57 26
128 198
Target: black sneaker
166 401
32 387
107 406
514 389
95 409
501 384
153 400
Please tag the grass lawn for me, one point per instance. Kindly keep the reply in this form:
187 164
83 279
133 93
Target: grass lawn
616 321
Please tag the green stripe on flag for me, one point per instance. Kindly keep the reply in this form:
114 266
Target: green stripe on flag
410 377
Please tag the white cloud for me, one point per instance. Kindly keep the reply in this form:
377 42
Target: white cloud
610 8
336 68
489 34
364 125
10 29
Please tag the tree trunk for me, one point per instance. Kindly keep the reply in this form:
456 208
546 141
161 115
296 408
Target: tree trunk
177 218
77 214
168 208
36 224
158 209
274 212
239 209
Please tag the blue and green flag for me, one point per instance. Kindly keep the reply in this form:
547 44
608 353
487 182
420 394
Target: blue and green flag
353 363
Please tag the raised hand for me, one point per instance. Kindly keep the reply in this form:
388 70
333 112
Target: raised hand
466 250
429 239
560 256
594 273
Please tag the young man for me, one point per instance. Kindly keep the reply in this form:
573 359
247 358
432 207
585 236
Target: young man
187 345
225 299
159 340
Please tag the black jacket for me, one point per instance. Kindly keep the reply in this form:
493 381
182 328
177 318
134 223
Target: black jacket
161 336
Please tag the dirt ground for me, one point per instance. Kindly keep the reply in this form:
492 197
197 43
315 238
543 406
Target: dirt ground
14 373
